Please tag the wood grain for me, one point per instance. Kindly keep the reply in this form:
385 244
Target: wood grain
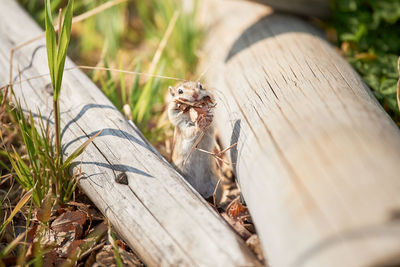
317 157
157 214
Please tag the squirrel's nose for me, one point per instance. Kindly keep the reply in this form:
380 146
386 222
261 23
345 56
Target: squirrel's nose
195 95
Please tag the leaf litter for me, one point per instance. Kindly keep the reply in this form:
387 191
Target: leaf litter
72 234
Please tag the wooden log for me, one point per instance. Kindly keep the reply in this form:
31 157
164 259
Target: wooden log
317 157
157 213
317 8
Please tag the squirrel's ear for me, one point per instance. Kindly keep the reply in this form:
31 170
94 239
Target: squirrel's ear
170 90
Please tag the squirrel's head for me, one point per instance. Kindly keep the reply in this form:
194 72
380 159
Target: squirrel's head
189 91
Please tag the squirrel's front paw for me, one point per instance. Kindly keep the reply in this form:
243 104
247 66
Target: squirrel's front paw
204 121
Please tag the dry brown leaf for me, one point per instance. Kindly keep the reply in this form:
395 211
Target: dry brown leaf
64 243
78 230
31 234
130 259
81 206
50 258
106 258
121 244
65 221
59 240
9 260
62 209
91 260
95 215
236 224
44 212
237 209
73 246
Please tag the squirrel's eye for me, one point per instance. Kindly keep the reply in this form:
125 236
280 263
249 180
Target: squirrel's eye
180 91
200 86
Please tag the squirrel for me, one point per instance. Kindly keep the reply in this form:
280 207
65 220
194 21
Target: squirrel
190 111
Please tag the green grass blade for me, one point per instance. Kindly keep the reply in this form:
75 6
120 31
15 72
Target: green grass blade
63 45
112 239
122 85
2 164
7 250
79 150
109 87
134 92
21 170
17 208
70 186
25 132
36 140
51 43
142 104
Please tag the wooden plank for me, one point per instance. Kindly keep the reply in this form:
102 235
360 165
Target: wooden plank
317 157
157 214
317 8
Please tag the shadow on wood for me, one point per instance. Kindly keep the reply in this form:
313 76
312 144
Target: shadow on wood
259 31
155 211
317 156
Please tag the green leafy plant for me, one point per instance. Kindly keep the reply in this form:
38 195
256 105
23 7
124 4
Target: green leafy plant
369 34
38 170
56 54
42 169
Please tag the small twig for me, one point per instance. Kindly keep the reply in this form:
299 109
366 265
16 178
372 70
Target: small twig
127 72
217 155
213 154
226 149
96 68
218 147
194 146
232 202
5 176
215 192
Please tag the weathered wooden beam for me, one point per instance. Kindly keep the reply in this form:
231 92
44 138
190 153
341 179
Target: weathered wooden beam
317 157
157 213
317 8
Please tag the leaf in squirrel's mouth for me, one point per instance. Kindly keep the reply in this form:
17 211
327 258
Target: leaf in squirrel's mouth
197 103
